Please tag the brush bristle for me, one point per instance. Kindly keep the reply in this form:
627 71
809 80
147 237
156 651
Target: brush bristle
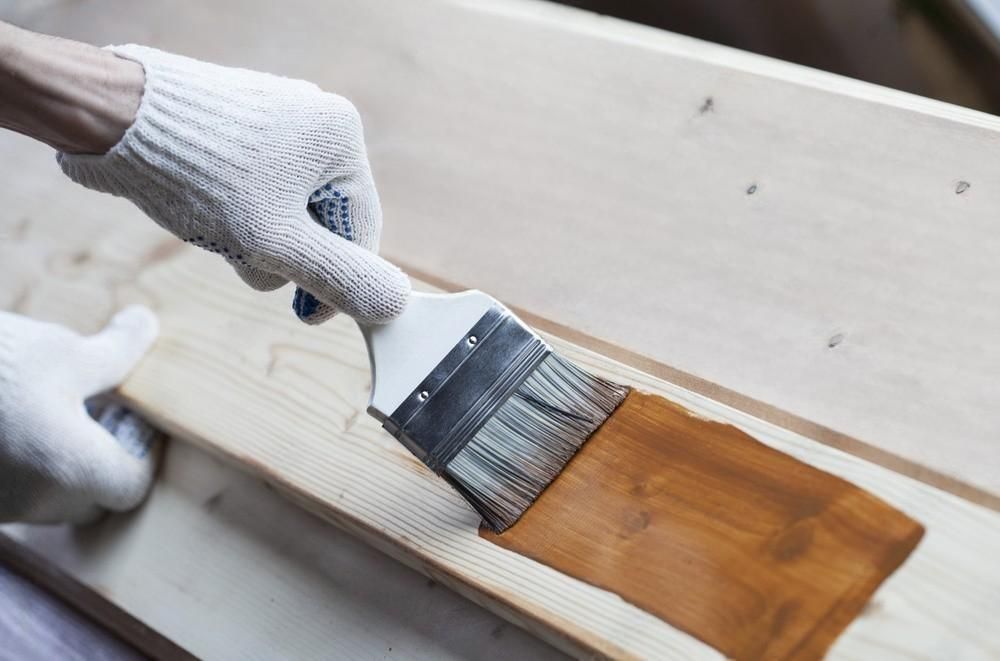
530 439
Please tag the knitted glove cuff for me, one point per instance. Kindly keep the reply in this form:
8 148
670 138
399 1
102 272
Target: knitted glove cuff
235 161
197 122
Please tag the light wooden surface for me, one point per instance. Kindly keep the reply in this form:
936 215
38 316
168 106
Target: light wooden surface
571 150
229 570
68 255
235 374
35 624
239 372
589 174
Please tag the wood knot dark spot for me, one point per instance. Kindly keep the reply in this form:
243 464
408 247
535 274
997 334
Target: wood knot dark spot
81 257
647 487
793 542
835 340
707 106
752 189
214 501
961 187
635 523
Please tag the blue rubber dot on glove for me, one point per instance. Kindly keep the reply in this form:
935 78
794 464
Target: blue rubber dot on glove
304 304
323 207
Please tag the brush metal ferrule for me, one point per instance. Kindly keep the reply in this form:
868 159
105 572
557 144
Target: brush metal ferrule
442 414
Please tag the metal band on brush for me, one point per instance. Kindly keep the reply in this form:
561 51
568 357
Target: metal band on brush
466 388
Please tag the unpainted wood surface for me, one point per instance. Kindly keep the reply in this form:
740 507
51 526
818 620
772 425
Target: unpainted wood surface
821 248
228 569
237 375
35 624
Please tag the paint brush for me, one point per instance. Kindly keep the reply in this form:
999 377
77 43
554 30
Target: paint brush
482 400
475 394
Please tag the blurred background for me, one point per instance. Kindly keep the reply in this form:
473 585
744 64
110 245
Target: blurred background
944 49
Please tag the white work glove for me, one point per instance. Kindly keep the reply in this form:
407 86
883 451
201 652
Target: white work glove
56 462
228 160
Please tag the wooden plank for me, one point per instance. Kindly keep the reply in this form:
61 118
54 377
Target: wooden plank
854 281
37 624
236 374
215 545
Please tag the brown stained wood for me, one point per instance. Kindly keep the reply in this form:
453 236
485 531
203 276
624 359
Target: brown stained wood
744 547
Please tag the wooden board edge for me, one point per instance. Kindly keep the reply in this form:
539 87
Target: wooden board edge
87 601
568 637
679 45
298 480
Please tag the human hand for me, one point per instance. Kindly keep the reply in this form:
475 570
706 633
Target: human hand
56 462
268 172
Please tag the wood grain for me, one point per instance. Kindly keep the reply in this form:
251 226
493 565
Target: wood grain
39 624
600 169
749 550
229 570
236 374
855 226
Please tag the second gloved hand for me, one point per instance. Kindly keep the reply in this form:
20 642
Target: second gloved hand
268 172
56 462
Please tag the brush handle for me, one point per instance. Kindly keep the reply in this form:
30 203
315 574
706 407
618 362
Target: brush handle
403 352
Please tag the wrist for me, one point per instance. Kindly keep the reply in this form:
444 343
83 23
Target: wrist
72 96
105 104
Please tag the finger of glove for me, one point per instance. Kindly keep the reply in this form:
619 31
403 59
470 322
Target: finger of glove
106 358
339 273
113 476
330 208
259 279
86 471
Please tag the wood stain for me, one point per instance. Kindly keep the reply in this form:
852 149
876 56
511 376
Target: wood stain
750 550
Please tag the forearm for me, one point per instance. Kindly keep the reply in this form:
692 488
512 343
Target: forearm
72 96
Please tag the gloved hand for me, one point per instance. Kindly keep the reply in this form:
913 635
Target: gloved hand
229 159
56 462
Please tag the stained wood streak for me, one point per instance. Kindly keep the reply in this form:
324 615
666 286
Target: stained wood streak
751 551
